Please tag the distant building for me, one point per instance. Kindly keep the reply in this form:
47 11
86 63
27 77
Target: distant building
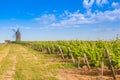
7 41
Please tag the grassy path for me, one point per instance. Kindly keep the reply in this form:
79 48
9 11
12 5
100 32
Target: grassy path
21 63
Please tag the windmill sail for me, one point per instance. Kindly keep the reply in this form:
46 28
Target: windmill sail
17 34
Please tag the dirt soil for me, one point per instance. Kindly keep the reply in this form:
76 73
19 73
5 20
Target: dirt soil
84 74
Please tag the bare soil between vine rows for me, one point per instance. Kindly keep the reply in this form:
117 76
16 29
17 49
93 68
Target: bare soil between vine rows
84 74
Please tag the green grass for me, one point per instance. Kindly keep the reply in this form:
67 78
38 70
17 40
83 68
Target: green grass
31 65
5 62
30 69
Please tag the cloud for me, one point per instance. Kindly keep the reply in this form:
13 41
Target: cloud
115 5
76 19
104 2
20 27
101 2
71 19
98 2
46 18
88 3
54 11
107 16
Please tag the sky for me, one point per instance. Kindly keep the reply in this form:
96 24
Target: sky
40 20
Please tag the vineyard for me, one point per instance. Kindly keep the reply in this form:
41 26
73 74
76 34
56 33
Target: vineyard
94 50
90 53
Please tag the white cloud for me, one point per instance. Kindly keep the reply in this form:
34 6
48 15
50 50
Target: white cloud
46 18
104 1
20 27
88 3
37 19
75 19
115 5
101 2
54 11
107 16
98 2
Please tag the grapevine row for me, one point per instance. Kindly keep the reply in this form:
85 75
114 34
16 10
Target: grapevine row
94 50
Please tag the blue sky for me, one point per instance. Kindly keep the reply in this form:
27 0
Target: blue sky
60 19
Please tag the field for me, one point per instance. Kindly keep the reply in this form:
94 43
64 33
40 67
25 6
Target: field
59 60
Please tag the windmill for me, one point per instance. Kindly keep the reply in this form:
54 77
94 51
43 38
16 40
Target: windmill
17 34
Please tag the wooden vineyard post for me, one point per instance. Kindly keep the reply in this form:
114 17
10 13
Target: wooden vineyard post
61 53
31 46
110 64
71 55
41 48
49 50
78 62
102 69
53 49
86 60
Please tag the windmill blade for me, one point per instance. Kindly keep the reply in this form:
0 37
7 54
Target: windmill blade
13 30
18 29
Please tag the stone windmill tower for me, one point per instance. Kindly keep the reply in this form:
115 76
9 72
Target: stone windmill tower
17 34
